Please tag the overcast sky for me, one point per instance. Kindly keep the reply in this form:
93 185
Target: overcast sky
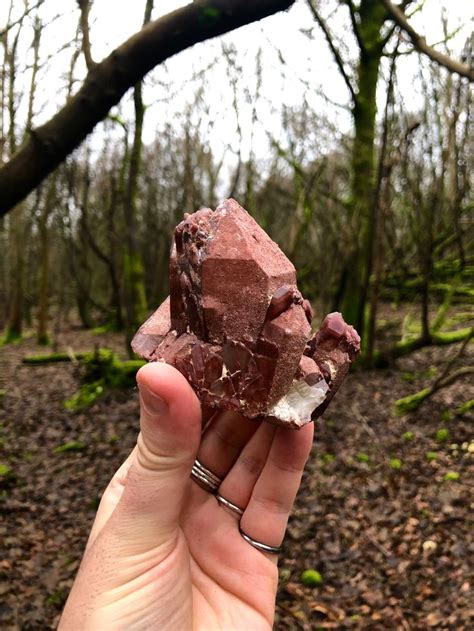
307 63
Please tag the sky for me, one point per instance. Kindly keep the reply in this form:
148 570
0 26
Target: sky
308 72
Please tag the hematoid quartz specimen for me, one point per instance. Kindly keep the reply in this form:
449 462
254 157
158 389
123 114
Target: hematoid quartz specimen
236 326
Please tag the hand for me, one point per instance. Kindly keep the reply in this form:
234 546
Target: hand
163 553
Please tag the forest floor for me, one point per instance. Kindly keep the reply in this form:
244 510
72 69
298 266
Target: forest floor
391 538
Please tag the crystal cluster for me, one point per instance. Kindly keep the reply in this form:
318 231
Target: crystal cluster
236 326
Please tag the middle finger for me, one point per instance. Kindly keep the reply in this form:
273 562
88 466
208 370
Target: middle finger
223 440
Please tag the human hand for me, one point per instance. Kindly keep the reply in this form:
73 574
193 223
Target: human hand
163 553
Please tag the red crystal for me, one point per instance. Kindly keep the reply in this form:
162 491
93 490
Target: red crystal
235 323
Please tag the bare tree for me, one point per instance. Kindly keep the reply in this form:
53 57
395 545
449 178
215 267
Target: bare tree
108 81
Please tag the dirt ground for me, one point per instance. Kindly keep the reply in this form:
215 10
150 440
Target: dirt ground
391 538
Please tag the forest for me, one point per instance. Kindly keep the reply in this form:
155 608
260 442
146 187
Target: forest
344 127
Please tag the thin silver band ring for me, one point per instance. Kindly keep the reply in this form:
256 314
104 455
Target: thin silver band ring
263 547
233 507
205 478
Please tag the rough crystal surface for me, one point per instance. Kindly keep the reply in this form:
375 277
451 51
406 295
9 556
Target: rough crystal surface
238 328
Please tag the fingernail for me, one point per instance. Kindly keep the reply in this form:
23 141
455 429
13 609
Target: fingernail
152 403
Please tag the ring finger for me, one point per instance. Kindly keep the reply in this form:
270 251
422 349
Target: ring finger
266 515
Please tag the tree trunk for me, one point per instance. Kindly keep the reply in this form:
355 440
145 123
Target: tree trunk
43 306
136 304
372 16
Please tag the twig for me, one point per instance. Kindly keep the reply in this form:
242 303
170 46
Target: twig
419 42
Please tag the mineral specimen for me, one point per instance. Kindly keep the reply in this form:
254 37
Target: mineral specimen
236 326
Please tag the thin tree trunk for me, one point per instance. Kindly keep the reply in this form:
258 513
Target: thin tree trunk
372 285
136 305
43 306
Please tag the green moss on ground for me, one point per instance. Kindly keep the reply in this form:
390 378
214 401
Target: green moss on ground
102 370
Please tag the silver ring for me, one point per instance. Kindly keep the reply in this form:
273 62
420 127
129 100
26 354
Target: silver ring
233 507
205 478
263 547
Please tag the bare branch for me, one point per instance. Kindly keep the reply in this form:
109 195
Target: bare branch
419 42
28 10
85 7
108 81
355 26
334 50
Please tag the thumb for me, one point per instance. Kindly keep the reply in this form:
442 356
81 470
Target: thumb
170 430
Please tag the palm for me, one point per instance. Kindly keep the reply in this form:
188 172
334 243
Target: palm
230 579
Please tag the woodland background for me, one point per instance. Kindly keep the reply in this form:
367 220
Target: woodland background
370 196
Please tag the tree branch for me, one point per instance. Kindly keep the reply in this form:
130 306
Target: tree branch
355 26
419 42
108 81
27 11
334 50
85 7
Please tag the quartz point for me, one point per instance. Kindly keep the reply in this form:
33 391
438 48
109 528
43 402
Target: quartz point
236 326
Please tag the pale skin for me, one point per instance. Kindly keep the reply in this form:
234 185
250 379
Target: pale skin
163 553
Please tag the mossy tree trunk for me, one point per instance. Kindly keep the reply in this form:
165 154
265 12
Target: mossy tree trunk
42 336
372 16
136 304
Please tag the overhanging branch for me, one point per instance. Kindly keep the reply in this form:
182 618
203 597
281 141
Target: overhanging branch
108 81
419 42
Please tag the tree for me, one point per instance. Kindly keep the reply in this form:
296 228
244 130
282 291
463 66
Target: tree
106 83
372 28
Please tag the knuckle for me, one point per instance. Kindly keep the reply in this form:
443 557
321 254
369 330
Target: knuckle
253 465
273 505
286 466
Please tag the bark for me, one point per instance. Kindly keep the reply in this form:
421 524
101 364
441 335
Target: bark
43 307
376 225
108 81
371 19
136 305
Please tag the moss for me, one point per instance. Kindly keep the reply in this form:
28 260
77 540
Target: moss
135 281
462 409
11 336
407 346
5 471
102 371
431 456
451 337
442 435
446 415
210 13
412 402
311 578
328 458
52 358
71 446
451 476
85 396
361 457
408 436
395 464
